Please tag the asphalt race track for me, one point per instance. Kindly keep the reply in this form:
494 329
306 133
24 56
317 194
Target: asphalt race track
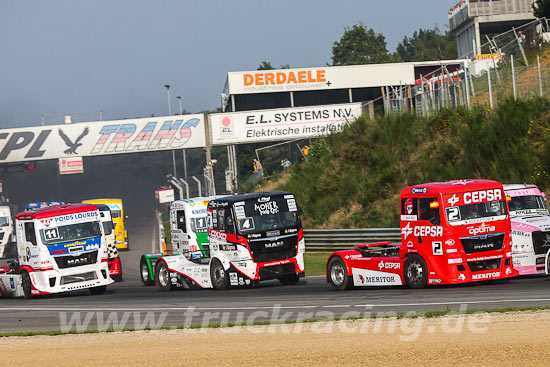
131 305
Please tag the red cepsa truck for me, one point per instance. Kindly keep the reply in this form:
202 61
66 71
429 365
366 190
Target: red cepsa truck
451 232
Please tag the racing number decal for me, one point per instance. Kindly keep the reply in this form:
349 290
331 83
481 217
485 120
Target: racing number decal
453 213
247 223
51 234
437 248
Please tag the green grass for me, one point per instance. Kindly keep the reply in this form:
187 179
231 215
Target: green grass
316 262
431 314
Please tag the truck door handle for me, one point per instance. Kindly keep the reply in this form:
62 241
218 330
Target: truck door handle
419 239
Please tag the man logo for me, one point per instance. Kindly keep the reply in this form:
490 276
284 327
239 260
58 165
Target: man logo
453 200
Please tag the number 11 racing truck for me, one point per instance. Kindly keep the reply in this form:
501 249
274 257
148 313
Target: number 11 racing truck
252 237
451 232
60 248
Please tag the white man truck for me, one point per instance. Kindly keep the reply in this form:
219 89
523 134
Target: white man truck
252 237
530 228
60 248
6 229
188 233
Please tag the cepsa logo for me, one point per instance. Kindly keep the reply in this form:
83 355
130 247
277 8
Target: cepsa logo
281 78
387 265
481 196
422 231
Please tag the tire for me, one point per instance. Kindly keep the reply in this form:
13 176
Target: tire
218 275
416 272
116 278
26 284
162 277
98 290
338 276
145 273
289 279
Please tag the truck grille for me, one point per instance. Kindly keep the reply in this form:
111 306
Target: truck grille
482 243
541 242
484 265
277 271
281 248
70 261
77 278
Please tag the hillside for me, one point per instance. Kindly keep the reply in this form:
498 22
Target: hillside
354 178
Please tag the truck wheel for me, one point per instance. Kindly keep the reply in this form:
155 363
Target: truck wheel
218 275
289 279
26 284
145 274
416 272
98 290
162 276
337 274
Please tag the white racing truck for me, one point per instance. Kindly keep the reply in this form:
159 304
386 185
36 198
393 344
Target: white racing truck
6 229
60 248
252 237
530 222
189 236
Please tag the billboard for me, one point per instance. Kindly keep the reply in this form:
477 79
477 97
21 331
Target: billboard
102 138
334 77
280 124
70 165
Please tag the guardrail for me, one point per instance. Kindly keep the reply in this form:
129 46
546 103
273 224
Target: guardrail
327 240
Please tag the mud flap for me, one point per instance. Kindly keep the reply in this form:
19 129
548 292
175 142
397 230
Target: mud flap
10 286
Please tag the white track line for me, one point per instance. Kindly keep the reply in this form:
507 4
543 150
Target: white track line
188 308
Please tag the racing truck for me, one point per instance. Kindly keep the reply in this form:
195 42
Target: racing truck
115 265
451 232
189 235
60 248
118 217
252 237
6 229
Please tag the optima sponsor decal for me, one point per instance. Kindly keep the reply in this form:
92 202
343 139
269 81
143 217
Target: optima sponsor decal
493 275
481 229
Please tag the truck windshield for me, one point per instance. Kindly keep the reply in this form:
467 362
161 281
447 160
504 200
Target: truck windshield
476 213
107 227
198 225
257 217
528 204
4 221
72 232
115 213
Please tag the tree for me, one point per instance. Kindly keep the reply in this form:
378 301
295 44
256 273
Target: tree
360 45
427 44
541 8
266 65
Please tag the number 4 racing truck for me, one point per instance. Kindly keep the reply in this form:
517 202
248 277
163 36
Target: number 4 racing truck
189 235
252 237
451 232
60 248
530 228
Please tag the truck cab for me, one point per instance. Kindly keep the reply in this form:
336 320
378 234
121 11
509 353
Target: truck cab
6 229
530 222
188 233
117 214
60 248
451 232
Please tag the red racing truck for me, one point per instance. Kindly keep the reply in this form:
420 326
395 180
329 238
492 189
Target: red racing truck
451 232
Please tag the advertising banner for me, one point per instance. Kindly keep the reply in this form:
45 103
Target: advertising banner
334 77
102 138
280 124
71 165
